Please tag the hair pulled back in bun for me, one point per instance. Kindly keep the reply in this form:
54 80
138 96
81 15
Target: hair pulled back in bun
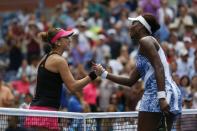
44 36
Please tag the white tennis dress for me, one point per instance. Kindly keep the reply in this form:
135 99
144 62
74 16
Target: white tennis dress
149 101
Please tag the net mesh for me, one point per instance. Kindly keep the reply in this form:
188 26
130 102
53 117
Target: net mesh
20 119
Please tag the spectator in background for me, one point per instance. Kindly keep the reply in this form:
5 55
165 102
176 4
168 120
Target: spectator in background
33 73
188 45
75 51
165 16
124 58
23 69
185 2
185 86
193 11
58 18
76 103
187 102
113 106
150 6
189 28
194 106
101 48
121 27
90 94
64 99
95 21
187 122
184 63
183 19
171 55
4 60
15 31
27 100
175 43
21 86
120 62
95 7
173 67
164 12
107 88
33 43
194 84
6 96
113 43
193 70
46 24
83 42
130 65
121 98
15 57
176 78
194 42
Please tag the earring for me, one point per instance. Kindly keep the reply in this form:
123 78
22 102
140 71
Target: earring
58 44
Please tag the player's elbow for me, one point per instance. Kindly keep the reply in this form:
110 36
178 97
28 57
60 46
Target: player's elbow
71 88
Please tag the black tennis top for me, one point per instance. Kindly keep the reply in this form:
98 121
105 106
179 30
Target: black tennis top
48 88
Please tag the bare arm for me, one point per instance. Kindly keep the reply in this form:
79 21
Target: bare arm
127 81
9 101
72 84
149 50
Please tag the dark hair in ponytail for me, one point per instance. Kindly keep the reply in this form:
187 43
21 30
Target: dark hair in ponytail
152 21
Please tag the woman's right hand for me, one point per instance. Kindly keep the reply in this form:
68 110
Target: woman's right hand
98 68
164 106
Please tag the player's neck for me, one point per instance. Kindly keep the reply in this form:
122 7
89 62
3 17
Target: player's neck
141 35
59 52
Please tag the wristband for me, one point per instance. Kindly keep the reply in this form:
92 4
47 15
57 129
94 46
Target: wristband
92 75
104 74
161 94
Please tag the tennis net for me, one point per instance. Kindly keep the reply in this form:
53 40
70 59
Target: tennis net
68 121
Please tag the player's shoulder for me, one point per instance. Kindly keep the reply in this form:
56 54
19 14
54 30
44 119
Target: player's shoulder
57 59
60 61
148 42
147 39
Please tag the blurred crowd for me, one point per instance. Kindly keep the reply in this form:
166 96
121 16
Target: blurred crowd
102 35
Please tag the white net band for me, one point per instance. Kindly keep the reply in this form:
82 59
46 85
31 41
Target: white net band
105 121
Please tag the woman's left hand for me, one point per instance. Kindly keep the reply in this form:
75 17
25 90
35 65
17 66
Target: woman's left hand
164 106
